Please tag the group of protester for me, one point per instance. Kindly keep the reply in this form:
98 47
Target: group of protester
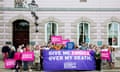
9 52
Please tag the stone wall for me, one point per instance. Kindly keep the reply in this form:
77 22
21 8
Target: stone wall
70 3
67 24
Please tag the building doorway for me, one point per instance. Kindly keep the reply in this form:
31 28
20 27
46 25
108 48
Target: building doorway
20 32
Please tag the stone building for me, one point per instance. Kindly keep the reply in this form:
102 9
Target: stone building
78 20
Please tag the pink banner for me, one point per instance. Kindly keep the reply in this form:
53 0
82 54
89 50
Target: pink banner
105 55
56 39
27 56
17 56
9 63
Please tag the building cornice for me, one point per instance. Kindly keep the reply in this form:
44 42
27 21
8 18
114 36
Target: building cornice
60 9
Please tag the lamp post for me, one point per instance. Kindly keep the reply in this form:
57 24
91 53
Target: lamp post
33 7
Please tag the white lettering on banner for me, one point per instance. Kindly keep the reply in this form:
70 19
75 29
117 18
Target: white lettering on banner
66 52
68 57
82 58
56 39
70 65
10 63
54 52
55 58
27 56
89 58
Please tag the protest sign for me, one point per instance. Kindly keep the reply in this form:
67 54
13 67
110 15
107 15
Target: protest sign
68 60
56 39
9 63
70 45
105 54
27 56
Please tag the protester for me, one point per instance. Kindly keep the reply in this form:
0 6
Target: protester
5 51
11 52
109 61
76 47
37 57
112 63
57 47
41 57
18 64
84 46
94 51
48 47
90 46
27 64
98 59
105 61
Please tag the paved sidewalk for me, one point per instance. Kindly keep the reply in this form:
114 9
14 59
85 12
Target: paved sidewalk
2 69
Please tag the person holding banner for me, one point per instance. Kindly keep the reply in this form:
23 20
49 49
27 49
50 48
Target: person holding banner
17 57
27 64
11 54
57 47
84 46
98 59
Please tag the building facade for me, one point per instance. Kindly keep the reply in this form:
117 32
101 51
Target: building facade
77 20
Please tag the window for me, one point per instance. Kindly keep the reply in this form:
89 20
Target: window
83 32
113 34
21 25
51 29
20 3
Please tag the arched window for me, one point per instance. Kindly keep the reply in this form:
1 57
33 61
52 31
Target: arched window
83 32
51 29
22 3
113 34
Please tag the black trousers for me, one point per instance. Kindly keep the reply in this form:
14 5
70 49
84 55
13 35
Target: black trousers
98 64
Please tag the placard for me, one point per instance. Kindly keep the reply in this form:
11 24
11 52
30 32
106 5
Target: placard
68 60
27 56
9 63
105 54
56 39
70 45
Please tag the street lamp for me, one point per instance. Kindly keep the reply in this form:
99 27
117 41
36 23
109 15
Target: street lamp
33 7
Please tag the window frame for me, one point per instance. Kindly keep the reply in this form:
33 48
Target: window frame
118 36
78 33
46 30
